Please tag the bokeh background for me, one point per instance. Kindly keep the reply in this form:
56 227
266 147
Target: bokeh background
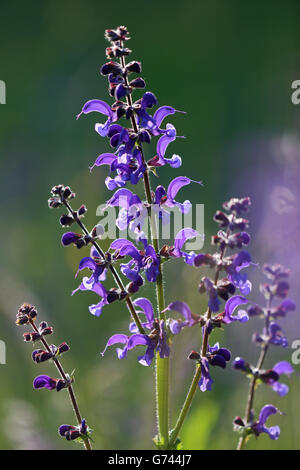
230 65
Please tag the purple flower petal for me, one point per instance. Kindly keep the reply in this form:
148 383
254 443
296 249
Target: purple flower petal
161 113
281 389
265 412
44 381
283 367
104 159
177 184
98 106
147 308
69 237
231 305
162 145
181 308
181 237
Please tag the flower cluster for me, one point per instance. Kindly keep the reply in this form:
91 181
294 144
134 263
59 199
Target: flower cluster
127 165
233 236
272 334
26 316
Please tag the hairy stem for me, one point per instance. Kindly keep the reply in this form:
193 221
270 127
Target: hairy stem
193 387
72 396
253 381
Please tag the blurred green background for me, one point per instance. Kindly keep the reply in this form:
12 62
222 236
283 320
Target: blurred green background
230 65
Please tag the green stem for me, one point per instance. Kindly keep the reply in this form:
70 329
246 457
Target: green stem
162 365
250 399
192 390
186 406
73 400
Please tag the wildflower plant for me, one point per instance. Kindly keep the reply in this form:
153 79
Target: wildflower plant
120 273
276 288
27 315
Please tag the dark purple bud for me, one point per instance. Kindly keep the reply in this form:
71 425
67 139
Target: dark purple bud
269 376
121 91
111 68
241 364
47 331
217 360
281 289
22 319
237 205
66 220
63 347
57 190
118 34
39 356
32 336
134 66
64 428
112 295
148 100
194 356
54 203
238 421
25 314
72 435
70 237
83 427
221 219
116 51
255 310
60 384
44 381
225 353
144 136
82 210
67 193
137 83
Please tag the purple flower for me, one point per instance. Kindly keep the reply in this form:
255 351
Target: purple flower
167 198
212 292
184 310
283 308
182 236
272 377
44 381
132 212
95 264
147 310
205 381
98 288
103 108
240 261
230 307
272 335
216 356
148 261
156 341
259 426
